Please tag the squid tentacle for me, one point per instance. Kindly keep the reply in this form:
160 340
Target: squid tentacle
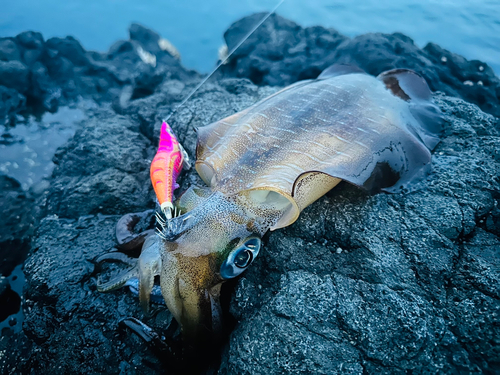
118 281
117 257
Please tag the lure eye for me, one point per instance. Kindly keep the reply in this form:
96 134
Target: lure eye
240 258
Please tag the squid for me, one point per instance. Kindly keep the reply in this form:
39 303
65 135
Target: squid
263 166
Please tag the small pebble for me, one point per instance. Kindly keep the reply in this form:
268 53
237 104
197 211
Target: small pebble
481 68
444 59
469 83
480 83
339 250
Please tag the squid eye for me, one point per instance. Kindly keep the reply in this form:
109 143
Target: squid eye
240 258
243 259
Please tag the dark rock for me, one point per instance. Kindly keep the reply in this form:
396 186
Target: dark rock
60 70
69 48
14 75
33 44
474 80
146 82
31 56
43 89
151 42
280 52
74 329
120 47
452 74
11 102
9 50
144 36
16 226
107 159
30 40
378 52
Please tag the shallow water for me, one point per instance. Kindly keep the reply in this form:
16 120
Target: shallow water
195 27
13 322
27 149
26 152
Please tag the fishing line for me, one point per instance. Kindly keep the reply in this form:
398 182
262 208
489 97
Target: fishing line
223 61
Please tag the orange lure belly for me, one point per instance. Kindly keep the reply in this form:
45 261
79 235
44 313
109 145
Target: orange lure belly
166 167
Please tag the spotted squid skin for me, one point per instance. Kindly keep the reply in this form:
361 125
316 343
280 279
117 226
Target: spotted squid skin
166 167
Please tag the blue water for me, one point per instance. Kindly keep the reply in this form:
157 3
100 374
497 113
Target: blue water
26 150
195 27
16 281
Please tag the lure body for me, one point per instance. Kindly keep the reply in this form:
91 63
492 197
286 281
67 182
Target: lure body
166 167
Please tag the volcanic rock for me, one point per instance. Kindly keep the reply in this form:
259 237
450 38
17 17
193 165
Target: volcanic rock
389 283
59 71
281 52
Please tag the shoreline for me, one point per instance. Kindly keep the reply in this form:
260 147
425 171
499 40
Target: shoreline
413 287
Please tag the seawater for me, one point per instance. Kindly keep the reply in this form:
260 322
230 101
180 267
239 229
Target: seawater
195 27
27 149
26 152
15 300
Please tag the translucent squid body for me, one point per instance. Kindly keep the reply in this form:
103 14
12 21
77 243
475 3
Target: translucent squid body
166 167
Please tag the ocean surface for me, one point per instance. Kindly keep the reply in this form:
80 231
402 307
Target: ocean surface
467 27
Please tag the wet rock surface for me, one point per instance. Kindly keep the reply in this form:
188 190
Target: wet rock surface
16 226
359 284
108 158
281 52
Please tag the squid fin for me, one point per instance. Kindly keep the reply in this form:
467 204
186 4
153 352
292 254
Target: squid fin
340 70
